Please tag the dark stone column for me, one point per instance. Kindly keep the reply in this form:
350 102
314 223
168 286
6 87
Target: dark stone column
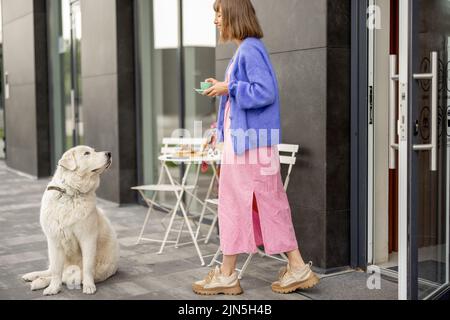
338 133
27 109
309 43
109 91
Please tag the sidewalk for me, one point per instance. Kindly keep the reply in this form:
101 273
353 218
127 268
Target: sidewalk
142 273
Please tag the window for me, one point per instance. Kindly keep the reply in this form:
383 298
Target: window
64 34
161 75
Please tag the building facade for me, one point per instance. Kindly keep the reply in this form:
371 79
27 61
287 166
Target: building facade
101 73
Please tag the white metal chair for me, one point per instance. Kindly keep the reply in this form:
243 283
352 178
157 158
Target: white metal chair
288 157
209 202
169 148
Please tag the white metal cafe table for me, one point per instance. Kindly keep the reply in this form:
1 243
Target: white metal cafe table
189 161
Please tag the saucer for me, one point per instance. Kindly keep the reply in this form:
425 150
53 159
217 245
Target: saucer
199 91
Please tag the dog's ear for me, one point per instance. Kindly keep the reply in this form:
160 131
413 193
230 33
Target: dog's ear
68 161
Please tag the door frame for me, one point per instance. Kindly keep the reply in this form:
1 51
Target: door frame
360 150
407 250
408 273
359 135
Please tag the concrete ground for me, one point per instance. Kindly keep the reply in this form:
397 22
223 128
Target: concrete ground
142 274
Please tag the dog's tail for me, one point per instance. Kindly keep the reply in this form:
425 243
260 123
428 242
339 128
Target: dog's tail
104 271
72 277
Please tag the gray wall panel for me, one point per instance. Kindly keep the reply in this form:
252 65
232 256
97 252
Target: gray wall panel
109 91
309 45
221 67
293 24
338 238
100 102
338 129
310 227
338 25
302 113
21 129
25 61
13 9
225 51
99 37
288 25
101 131
18 50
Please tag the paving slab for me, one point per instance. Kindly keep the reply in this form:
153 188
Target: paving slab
143 274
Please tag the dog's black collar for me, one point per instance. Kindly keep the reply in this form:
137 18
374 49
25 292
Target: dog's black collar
53 188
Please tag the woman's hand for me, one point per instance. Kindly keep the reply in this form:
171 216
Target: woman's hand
218 89
212 80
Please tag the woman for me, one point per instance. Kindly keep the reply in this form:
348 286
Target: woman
253 206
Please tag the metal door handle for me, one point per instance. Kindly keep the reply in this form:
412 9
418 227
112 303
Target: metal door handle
393 80
393 83
433 76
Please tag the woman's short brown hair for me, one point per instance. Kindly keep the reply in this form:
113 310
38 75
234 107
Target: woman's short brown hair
239 20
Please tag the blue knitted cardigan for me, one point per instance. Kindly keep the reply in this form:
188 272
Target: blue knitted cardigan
255 102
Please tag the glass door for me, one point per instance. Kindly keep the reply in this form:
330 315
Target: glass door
428 147
64 52
382 47
176 43
423 219
74 119
409 109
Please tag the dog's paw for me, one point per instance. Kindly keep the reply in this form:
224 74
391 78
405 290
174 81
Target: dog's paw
89 288
30 276
40 283
52 290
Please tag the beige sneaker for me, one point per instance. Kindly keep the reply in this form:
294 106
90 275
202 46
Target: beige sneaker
290 280
216 283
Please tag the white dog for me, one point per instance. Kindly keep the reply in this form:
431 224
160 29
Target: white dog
82 245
